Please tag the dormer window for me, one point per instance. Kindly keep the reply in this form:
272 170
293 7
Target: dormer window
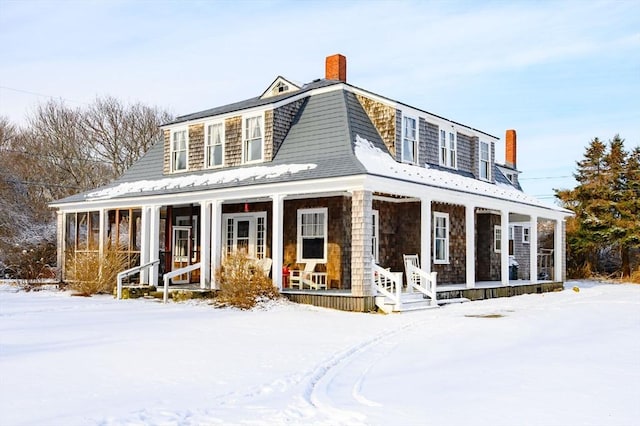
281 87
485 161
409 141
214 148
448 149
252 144
179 150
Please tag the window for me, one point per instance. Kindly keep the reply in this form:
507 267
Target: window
448 149
441 238
497 239
214 145
409 141
526 235
485 161
252 143
312 235
179 150
511 240
374 236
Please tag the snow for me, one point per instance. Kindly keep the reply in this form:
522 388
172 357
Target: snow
378 162
563 358
219 177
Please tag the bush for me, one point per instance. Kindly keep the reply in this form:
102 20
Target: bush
242 284
89 273
635 276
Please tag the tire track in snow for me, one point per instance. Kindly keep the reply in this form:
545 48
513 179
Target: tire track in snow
317 392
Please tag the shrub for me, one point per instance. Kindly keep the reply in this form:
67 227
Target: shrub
242 284
635 276
90 273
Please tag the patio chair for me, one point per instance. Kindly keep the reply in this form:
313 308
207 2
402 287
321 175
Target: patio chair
413 260
308 278
265 264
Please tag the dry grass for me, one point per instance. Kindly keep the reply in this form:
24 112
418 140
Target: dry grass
242 285
89 273
635 276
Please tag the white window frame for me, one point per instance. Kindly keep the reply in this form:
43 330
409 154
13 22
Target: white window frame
406 139
245 139
484 163
325 228
448 148
375 236
497 238
526 234
436 216
174 151
209 146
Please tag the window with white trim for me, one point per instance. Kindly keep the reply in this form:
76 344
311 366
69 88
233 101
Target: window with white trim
409 140
312 235
526 235
448 148
252 141
440 237
214 145
179 144
485 161
374 235
497 238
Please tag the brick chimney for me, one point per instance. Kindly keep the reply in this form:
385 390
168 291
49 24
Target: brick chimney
510 149
336 67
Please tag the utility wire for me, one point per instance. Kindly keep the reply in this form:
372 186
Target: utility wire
40 94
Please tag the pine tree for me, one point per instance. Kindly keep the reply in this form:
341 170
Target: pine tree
606 203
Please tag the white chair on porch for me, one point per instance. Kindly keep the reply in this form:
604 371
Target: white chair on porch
308 278
265 265
413 260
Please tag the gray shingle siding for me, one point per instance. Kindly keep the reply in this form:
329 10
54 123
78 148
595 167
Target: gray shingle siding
282 119
463 148
431 142
398 135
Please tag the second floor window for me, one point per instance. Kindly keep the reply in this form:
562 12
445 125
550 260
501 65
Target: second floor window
214 145
448 149
485 160
409 141
179 150
252 139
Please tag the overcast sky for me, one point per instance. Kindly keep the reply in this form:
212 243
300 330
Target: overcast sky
560 73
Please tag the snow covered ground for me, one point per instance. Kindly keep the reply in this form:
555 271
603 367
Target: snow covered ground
566 358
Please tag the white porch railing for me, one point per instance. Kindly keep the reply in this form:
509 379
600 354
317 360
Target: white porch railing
388 283
167 276
132 271
423 282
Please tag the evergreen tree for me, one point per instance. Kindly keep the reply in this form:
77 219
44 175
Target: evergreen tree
606 204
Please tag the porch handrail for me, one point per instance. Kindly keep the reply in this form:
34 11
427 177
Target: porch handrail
132 271
388 283
427 281
168 275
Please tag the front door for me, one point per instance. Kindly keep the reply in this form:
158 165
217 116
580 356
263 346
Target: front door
181 252
245 232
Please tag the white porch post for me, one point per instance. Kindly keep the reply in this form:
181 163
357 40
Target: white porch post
558 250
145 243
216 239
102 233
504 247
425 234
154 243
60 238
470 229
533 249
276 239
205 244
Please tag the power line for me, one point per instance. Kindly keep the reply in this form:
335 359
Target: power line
28 92
544 177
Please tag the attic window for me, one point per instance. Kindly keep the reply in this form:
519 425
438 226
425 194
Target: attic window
282 87
511 177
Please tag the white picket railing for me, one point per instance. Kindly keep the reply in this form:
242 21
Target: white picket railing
168 275
388 283
132 271
423 282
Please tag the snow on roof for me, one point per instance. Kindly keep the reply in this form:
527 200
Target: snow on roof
381 163
191 181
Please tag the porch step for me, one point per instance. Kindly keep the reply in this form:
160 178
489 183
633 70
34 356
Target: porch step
410 302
